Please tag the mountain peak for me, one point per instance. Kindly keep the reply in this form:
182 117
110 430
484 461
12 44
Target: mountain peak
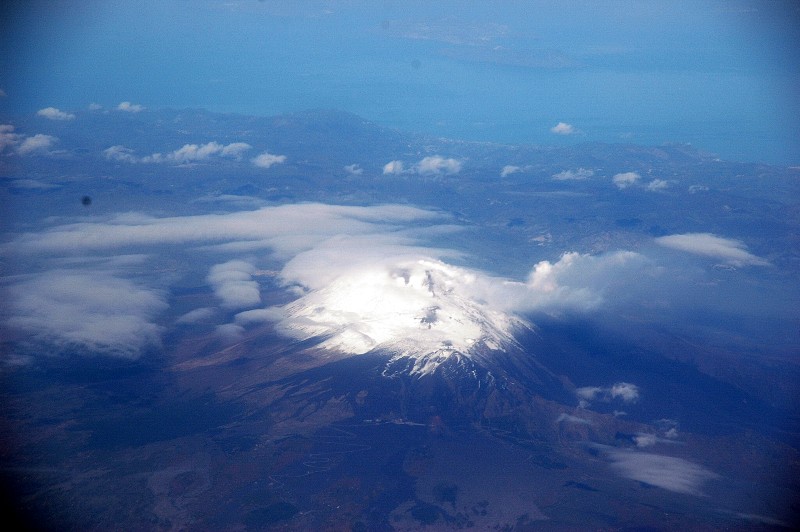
419 308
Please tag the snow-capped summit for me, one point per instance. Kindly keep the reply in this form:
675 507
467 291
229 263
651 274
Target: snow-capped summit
420 308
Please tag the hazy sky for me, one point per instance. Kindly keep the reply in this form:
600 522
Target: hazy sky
723 75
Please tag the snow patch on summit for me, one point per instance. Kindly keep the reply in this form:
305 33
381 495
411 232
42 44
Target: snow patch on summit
414 307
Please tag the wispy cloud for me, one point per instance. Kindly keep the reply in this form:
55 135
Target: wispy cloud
353 169
196 315
667 472
731 251
568 175
52 113
449 32
510 169
32 184
286 229
129 107
567 418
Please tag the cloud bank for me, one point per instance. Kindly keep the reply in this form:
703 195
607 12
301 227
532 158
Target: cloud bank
98 311
187 154
363 277
93 311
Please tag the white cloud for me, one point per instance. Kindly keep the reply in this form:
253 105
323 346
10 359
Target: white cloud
266 159
130 107
694 189
92 311
657 184
286 229
733 252
8 138
54 114
233 283
192 153
580 173
667 472
623 391
242 202
196 315
509 169
393 168
562 128
32 184
187 154
229 331
572 419
120 153
625 179
576 281
259 315
629 393
353 169
37 144
437 164
95 107
645 440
